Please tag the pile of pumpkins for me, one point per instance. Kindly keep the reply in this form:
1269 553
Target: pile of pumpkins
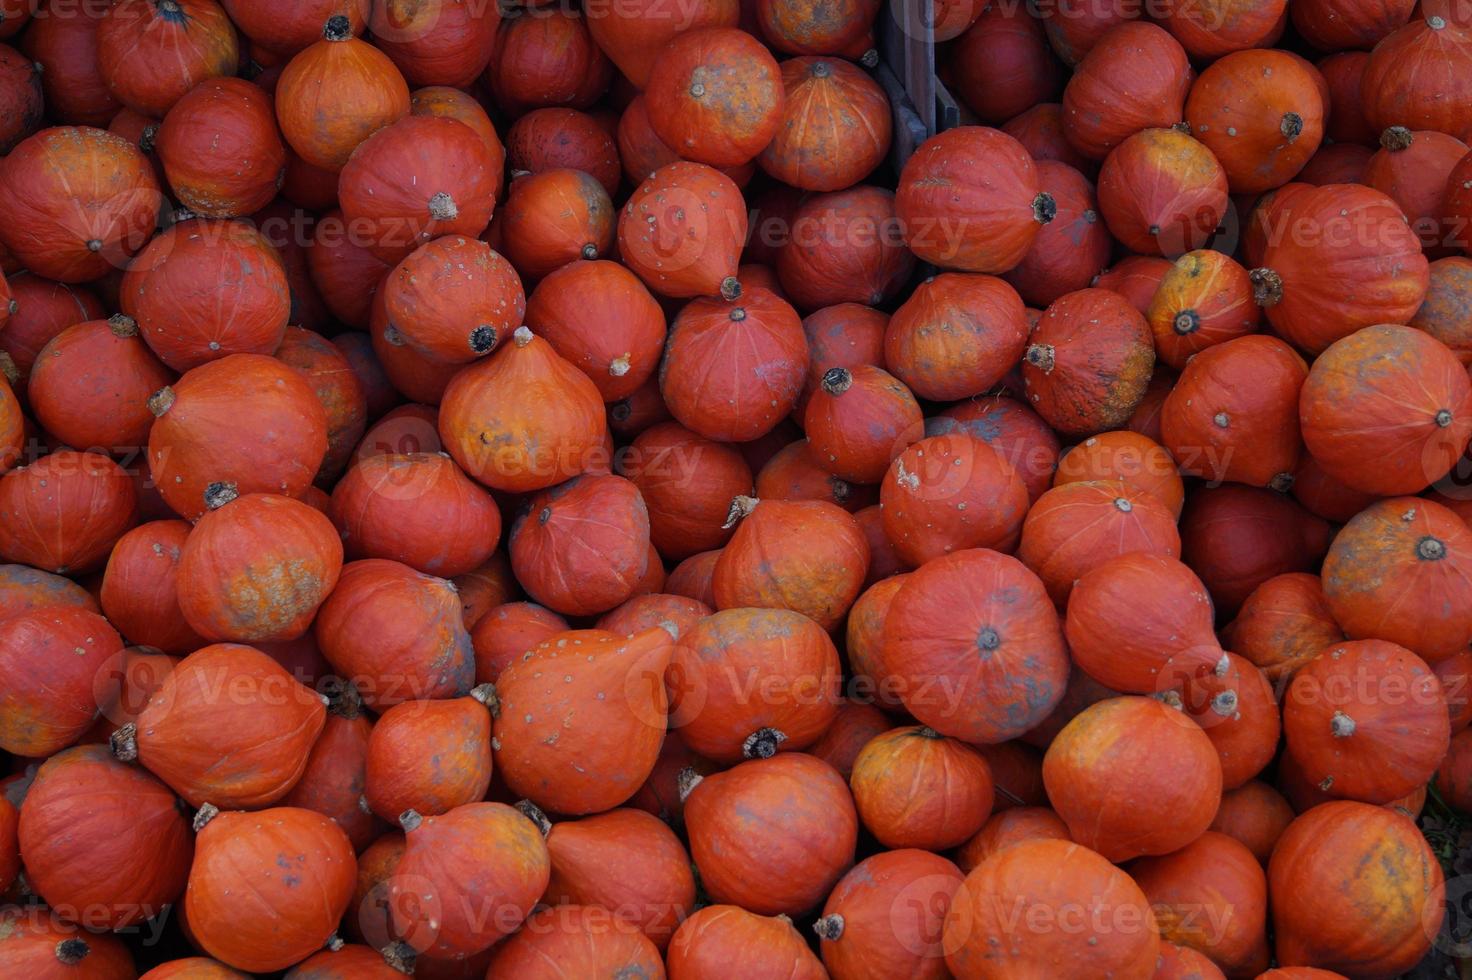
535 492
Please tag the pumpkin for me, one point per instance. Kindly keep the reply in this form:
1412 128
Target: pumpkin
692 577
415 180
633 34
687 483
1447 297
1002 65
285 32
348 961
1070 250
1254 814
91 382
1352 741
1271 535
1015 431
1161 192
142 132
396 634
859 420
140 587
1325 496
1087 362
439 43
1007 827
553 218
1140 623
1344 113
884 918
357 348
38 943
1131 776
1393 429
522 420
1283 624
771 835
193 733
597 757
628 862
581 548
916 788
641 151
20 93
1386 556
344 271
221 149
103 838
1210 30
1452 776
1135 77
856 723
193 968
236 873
1018 674
715 347
71 79
864 649
454 299
546 58
553 138
682 230
677 614
151 52
719 664
1343 259
1136 278
165 290
956 336
1216 433
970 199
489 585
23 589
337 92
1078 526
1412 169
834 128
1238 709
808 556
1081 691
1040 131
1212 880
196 442
1053 878
1325 868
715 96
64 512
1295 784
337 389
1336 163
1184 963
508 630
719 940
1332 25
794 27
414 376
1455 674
1261 114
452 103
333 781
844 247
429 756
1416 76
76 203
794 474
586 940
1123 457
1204 299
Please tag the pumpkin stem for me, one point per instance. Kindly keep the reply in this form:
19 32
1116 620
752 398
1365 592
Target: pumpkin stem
1443 418
1225 704
72 951
870 58
364 806
218 494
486 695
1186 323
400 956
148 139
1267 287
334 943
94 244
1221 420
1291 126
1171 699
483 339
343 699
1282 483
988 639
392 337
762 743
124 743
161 401
925 731
122 325
522 336
1222 666
534 813
840 489
337 28
741 506
1040 356
820 69
1341 725
619 366
837 380
590 251
731 290
442 207
410 821
829 927
1430 549
1044 208
1397 138
620 411
686 781
206 813
8 370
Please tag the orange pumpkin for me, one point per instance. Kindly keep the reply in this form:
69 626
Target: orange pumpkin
439 43
1413 169
236 873
345 272
336 93
1333 25
596 757
39 943
221 150
715 96
864 648
442 286
1011 428
719 940
151 52
687 483
844 247
1136 278
1204 299
1238 709
1087 362
805 841
508 630
1072 249
1256 815
856 723
956 336
1161 192
884 918
1455 674
1354 888
333 781
1135 77
834 129
1209 30
524 419
793 474
1131 776
1448 296
429 756
413 375
682 231
552 138
1285 623
347 962
1002 65
546 58
1417 75
1007 827
71 79
337 389
583 940
916 788
23 588
395 634
229 724
859 420
64 512
1040 131
20 92
1124 457
1017 674
554 218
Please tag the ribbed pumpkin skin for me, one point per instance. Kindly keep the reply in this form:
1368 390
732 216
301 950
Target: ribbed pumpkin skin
90 385
64 512
71 80
152 53
715 96
875 939
634 33
1285 623
428 756
916 788
332 783
685 251
1135 78
221 149
1417 76
29 948
720 938
956 336
23 589
437 43
835 127
554 218
1161 192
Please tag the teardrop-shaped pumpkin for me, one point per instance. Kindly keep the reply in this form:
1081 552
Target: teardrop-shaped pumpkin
682 231
554 218
454 299
429 756
835 126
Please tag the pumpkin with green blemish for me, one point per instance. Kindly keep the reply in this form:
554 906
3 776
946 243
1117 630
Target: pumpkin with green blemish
1087 362
715 96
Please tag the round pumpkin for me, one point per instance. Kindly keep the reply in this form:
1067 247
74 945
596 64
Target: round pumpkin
1256 815
1449 292
641 151
332 782
338 390
1123 457
1238 709
722 939
1040 131
356 348
1161 192
1087 362
916 788
859 420
1015 431
1131 776
553 218
584 940
956 336
1328 864
23 588
771 835
990 667
454 299
1136 278
834 128
1135 77
349 961
508 630
236 872
71 79
682 231
1002 64
1007 827
969 199
1392 429
1412 169
544 58
1209 30
1333 25
796 27
429 756
76 202
687 483
140 587
221 150
38 943
715 96
1071 249
1416 76
633 34
1285 623
439 43
793 474
1344 112
1203 300
415 376
844 247
553 138
151 52
337 92
1325 496
346 274
64 512
20 92
884 918
864 648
